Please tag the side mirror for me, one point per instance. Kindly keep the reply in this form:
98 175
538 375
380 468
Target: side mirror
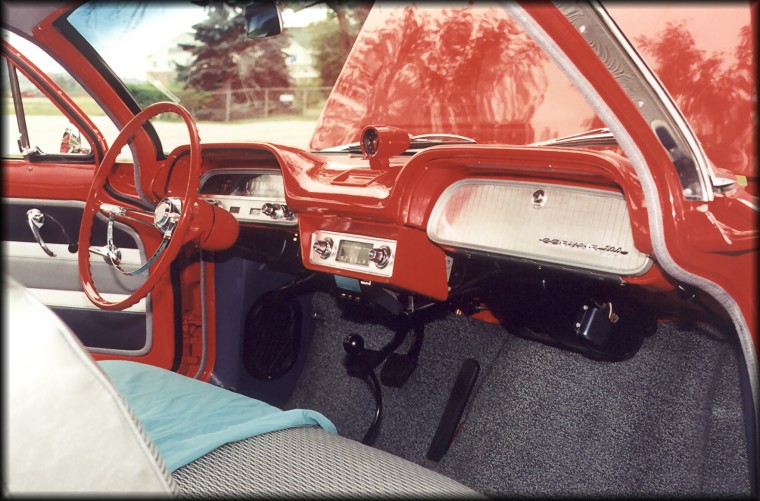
262 19
71 141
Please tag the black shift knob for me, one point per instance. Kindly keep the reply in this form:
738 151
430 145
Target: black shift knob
353 344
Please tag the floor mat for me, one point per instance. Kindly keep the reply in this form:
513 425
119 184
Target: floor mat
544 421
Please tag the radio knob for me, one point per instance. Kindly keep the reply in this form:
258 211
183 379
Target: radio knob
269 210
380 256
323 248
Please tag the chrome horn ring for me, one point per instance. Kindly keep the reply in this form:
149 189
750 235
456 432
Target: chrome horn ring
165 219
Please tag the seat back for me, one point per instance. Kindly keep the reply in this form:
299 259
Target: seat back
66 428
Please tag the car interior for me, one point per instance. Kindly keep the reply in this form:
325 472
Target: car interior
407 314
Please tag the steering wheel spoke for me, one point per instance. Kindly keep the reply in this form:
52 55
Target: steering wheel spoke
126 213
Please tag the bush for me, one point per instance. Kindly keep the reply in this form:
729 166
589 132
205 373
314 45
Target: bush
146 94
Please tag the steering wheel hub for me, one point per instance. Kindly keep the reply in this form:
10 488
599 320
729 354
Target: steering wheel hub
167 214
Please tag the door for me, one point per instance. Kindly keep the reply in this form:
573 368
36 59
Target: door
50 150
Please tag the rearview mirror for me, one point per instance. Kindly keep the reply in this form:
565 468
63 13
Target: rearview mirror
262 19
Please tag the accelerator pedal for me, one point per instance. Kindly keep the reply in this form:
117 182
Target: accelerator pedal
458 399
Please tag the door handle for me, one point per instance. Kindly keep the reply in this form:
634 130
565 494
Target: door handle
36 219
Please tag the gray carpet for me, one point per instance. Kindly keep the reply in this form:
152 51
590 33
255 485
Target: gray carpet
544 421
411 413
571 426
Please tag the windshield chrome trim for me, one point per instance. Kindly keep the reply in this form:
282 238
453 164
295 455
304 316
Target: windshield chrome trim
656 105
596 137
422 140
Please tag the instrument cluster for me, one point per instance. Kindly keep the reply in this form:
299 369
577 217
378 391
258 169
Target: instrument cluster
251 195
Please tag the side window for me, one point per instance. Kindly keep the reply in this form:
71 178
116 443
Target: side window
31 120
32 123
708 72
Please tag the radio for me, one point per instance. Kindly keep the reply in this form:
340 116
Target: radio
353 252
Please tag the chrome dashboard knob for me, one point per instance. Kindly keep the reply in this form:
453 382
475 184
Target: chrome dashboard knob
276 211
381 256
323 247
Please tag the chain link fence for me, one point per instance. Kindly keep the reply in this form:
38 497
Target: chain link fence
244 104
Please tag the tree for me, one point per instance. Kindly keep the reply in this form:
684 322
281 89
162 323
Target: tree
714 92
332 39
145 94
431 71
224 59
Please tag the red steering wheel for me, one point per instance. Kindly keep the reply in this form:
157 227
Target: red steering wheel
171 217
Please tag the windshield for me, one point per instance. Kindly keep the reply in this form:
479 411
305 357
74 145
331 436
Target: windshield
465 70
446 69
238 89
468 70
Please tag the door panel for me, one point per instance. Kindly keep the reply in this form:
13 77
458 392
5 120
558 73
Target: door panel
55 280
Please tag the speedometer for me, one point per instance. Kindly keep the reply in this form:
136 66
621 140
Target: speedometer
264 185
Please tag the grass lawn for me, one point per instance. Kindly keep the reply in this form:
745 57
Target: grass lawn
42 106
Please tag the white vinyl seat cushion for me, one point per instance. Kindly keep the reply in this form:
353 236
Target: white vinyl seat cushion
67 428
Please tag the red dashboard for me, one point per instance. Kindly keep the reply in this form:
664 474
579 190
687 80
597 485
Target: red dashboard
397 224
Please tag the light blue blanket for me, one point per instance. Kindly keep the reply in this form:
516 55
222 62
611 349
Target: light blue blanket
187 418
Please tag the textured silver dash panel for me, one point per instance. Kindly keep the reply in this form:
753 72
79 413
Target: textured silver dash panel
566 225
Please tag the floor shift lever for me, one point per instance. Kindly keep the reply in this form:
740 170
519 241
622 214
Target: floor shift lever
354 346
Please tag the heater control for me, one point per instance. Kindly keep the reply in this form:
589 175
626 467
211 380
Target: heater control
323 247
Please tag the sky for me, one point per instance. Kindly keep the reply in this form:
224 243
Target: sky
126 44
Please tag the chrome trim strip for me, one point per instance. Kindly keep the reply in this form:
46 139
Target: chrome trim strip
14 249
203 318
749 204
78 300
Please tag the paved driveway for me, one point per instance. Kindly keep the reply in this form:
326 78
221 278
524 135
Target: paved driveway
46 132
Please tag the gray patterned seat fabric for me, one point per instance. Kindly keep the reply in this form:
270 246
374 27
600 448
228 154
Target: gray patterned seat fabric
310 462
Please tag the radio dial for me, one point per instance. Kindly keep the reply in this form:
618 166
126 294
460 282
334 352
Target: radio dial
323 248
381 256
